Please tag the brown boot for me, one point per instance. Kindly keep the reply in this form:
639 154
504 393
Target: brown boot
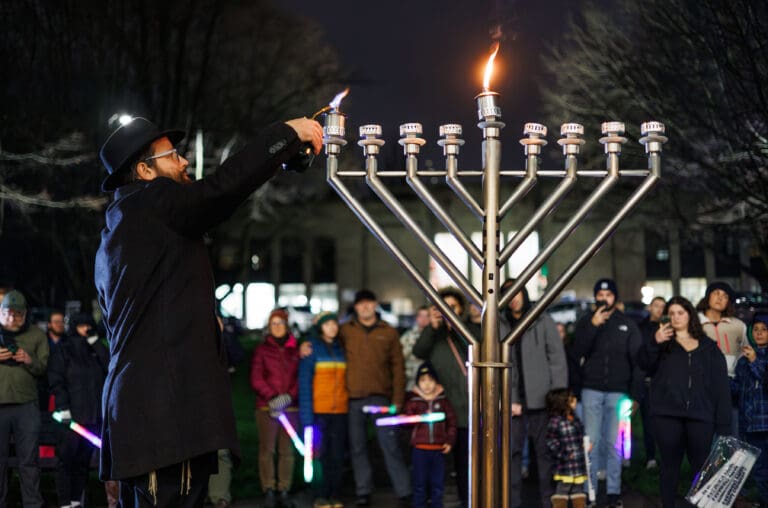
559 501
579 500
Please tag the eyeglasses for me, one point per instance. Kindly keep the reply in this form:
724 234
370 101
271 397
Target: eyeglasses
160 155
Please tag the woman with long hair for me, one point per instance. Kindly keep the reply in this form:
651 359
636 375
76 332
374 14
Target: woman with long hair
690 393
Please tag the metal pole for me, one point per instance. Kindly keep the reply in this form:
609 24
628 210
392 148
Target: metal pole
490 348
473 390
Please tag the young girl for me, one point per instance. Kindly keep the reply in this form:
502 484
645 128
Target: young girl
565 442
751 388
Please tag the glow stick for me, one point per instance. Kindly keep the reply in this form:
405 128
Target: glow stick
291 432
380 409
624 437
590 487
87 434
308 469
403 419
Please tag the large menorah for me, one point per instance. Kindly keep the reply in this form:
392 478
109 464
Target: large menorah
489 355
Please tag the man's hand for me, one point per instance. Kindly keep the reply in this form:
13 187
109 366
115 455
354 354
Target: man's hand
308 131
22 356
446 448
664 333
435 318
600 317
5 354
517 409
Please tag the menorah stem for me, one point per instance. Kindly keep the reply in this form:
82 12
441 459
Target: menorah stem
375 183
452 180
585 256
571 167
605 185
475 435
490 348
506 425
525 185
390 246
421 190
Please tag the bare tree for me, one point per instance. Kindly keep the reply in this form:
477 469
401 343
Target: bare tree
700 67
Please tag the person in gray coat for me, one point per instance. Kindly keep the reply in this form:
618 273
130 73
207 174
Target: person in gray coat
540 365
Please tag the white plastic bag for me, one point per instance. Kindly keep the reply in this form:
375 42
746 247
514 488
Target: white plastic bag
723 474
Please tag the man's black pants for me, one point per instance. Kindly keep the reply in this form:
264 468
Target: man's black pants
183 485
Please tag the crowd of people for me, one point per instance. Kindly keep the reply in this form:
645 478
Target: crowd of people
693 373
161 396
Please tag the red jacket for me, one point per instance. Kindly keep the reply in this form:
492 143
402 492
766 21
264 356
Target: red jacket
436 433
274 370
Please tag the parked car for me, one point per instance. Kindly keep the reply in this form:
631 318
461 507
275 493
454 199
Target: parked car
749 304
568 312
299 318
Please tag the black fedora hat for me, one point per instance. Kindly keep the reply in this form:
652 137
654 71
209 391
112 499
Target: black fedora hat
126 143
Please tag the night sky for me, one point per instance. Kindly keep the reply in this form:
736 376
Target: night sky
421 61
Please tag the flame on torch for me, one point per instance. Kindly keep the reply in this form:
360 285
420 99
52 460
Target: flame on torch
489 68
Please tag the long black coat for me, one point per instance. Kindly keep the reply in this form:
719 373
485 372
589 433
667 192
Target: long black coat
76 373
167 396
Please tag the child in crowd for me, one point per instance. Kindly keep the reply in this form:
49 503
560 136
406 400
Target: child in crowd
751 387
430 441
565 442
324 404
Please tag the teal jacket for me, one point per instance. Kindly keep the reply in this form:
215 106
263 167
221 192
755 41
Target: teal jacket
18 383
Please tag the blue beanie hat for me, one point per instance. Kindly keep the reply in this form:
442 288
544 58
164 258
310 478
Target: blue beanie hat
608 284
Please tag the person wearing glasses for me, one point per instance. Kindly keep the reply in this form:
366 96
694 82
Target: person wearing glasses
275 379
23 359
167 399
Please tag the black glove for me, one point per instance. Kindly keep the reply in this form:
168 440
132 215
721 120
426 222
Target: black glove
278 404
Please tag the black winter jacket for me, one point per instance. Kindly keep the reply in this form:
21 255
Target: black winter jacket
76 373
688 384
610 355
167 397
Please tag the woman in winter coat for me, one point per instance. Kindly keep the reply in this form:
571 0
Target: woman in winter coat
689 396
76 372
274 378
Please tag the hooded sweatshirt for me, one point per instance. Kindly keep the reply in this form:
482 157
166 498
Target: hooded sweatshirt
688 384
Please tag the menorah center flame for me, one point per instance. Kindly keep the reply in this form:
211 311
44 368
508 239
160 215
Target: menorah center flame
489 67
336 102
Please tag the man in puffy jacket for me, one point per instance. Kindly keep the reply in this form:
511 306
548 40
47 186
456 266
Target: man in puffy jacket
167 396
608 341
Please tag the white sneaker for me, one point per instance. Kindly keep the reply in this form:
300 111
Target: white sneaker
601 474
651 464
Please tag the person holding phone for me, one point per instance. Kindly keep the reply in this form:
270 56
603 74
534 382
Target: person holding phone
690 396
608 341
648 328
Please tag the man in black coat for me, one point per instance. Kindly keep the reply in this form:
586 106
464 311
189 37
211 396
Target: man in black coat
76 371
167 399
